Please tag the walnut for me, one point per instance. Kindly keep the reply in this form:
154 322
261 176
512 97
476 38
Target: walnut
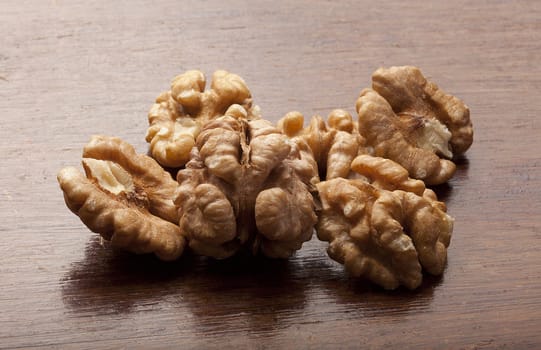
385 227
420 101
125 197
178 115
392 139
334 144
411 121
242 191
385 236
249 186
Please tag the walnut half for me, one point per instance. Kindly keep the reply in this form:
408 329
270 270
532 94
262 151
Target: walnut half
410 120
242 190
178 115
125 197
386 236
445 117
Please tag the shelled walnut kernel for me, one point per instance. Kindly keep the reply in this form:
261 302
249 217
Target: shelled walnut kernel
248 185
385 236
125 197
242 190
410 120
178 115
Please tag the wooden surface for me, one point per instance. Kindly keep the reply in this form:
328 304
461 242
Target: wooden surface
70 69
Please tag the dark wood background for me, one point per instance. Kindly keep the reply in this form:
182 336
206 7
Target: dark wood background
70 69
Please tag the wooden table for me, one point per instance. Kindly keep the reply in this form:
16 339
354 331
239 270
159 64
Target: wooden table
70 69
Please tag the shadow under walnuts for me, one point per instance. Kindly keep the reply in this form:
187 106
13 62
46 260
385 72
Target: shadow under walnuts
264 292
108 281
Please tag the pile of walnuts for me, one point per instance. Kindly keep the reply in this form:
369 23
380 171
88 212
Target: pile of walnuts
245 184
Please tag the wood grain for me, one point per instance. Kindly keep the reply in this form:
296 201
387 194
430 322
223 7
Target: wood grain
70 69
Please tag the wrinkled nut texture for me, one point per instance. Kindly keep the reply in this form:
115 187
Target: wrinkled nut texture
178 115
410 120
392 138
441 121
386 174
301 154
385 236
125 197
334 143
242 190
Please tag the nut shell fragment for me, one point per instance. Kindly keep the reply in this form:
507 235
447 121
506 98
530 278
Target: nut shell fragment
125 197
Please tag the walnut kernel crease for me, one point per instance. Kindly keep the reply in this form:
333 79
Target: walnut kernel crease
244 189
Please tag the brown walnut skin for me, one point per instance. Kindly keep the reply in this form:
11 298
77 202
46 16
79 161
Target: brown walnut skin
178 115
242 191
125 197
